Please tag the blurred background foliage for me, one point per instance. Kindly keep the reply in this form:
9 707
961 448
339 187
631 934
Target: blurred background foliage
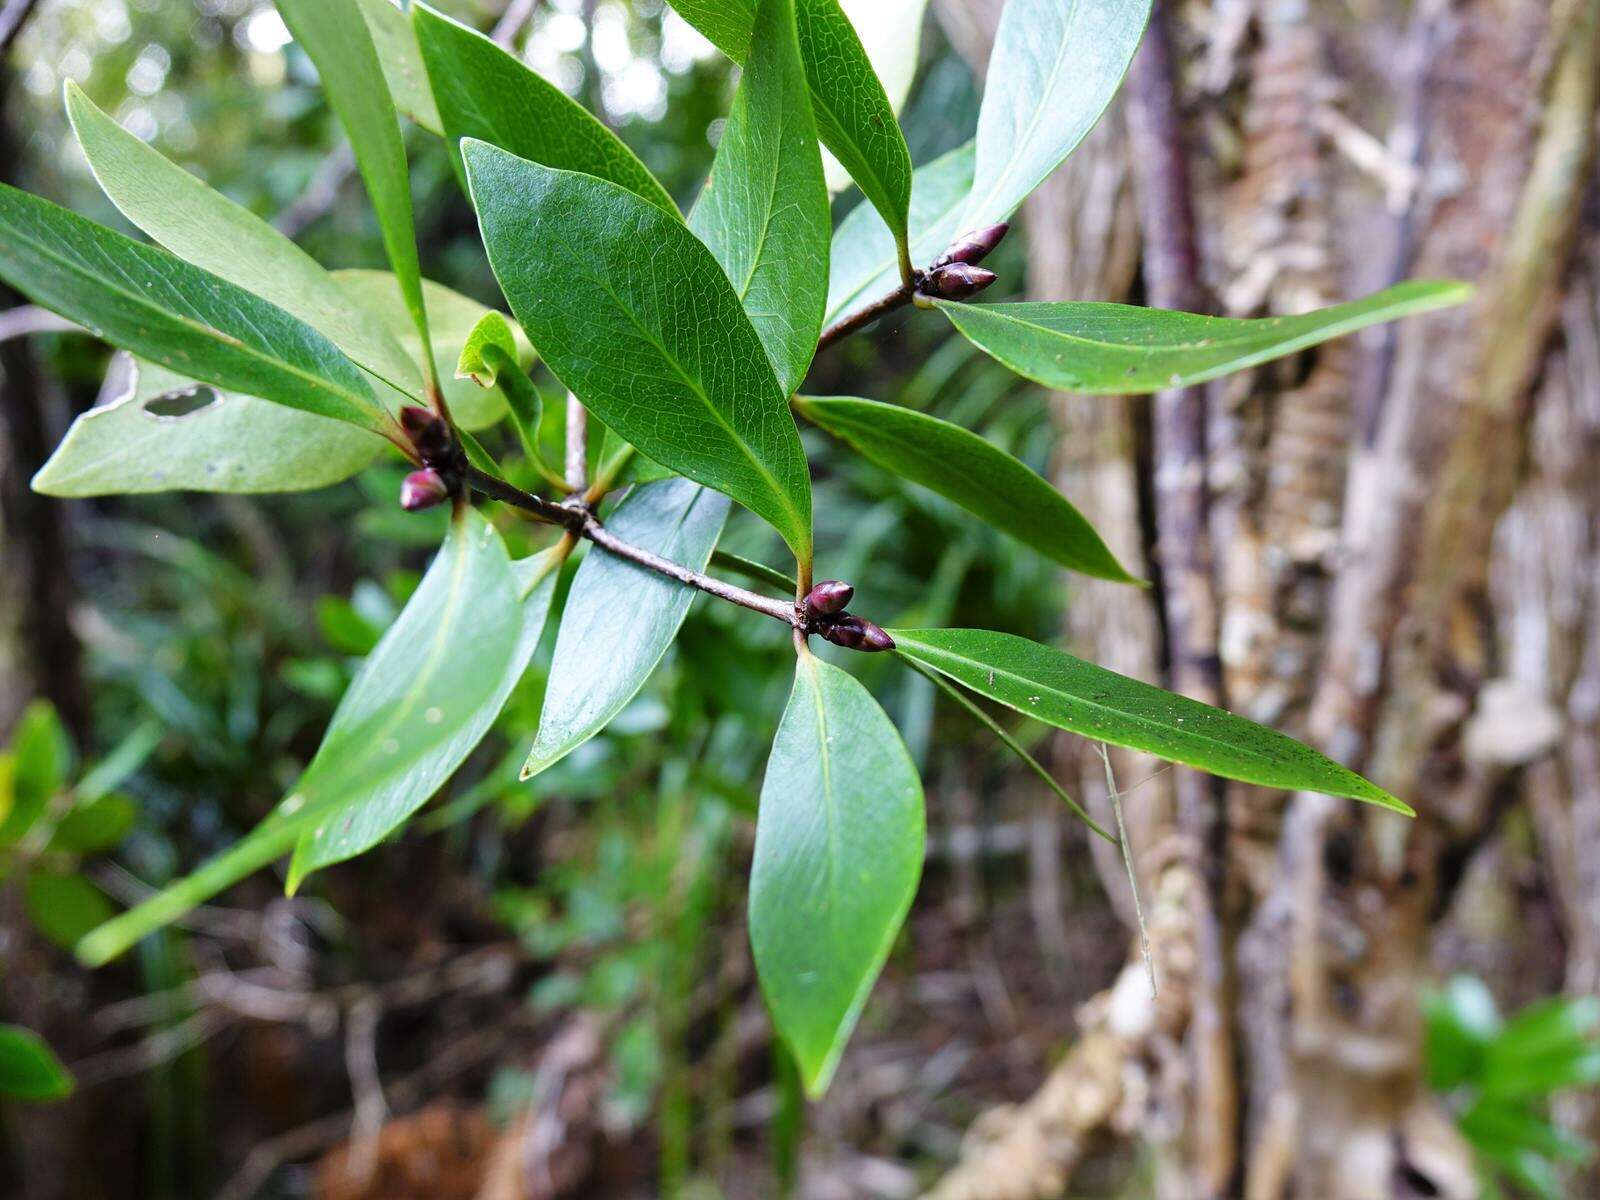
567 952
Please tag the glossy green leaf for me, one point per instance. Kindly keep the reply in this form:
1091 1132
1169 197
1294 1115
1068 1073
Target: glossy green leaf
863 263
213 233
39 758
853 114
492 331
764 210
1051 686
153 438
409 698
95 826
401 59
1120 349
656 344
965 469
145 300
839 846
620 618
334 34
64 907
891 34
1053 70
424 698
1509 1124
488 94
29 1069
451 317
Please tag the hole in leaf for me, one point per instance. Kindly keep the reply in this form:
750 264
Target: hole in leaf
181 402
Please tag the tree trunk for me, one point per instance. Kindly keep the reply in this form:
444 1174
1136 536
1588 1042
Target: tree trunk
1403 567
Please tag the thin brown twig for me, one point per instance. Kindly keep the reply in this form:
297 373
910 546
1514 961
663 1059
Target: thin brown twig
583 523
843 328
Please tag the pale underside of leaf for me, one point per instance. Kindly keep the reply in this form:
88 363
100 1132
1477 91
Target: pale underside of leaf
620 618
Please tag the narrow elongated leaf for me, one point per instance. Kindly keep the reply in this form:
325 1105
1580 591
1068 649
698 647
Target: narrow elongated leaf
230 443
1119 349
159 307
839 845
401 58
451 317
853 114
1071 694
29 1069
636 317
213 233
764 211
335 36
485 93
425 697
965 469
620 618
863 263
1053 70
891 34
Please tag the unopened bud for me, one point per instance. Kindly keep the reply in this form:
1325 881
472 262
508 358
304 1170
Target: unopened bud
974 245
423 489
957 281
828 597
428 433
854 633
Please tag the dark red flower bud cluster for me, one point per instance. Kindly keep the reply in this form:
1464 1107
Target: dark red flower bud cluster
826 617
443 461
955 275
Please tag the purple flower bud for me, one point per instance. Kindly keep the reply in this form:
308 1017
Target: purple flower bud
957 281
874 639
828 597
854 633
974 245
846 631
423 489
429 434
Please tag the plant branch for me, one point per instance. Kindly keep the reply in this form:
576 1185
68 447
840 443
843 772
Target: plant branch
580 522
577 442
844 327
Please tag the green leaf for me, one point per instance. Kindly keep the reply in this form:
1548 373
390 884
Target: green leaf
655 343
410 697
1511 1126
40 758
335 36
620 618
64 907
891 34
213 233
424 698
1078 696
145 300
29 1070
1120 349
401 58
488 94
492 330
1461 1023
230 443
864 263
451 318
1053 70
963 468
839 845
853 114
95 826
764 210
